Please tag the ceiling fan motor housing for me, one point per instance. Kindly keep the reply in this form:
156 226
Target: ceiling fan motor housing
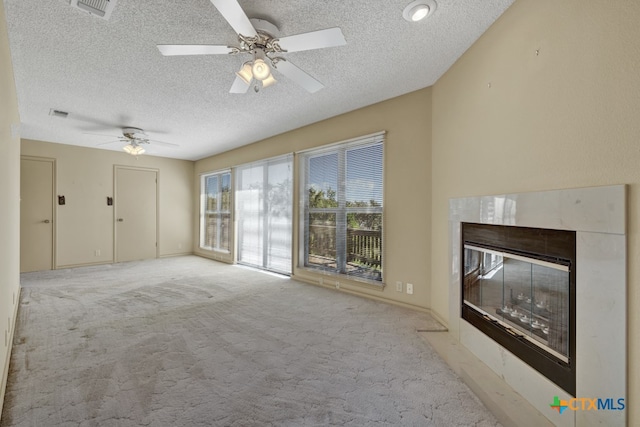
134 133
265 27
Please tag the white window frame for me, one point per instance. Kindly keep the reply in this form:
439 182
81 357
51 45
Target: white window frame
265 263
341 211
204 212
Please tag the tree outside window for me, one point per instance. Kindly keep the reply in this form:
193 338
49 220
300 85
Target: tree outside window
343 210
215 223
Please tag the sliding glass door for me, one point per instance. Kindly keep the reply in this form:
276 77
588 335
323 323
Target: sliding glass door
264 204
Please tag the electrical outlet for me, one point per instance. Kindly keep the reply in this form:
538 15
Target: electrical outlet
410 288
337 285
97 252
179 245
399 286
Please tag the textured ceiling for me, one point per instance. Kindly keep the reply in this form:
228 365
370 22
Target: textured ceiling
109 74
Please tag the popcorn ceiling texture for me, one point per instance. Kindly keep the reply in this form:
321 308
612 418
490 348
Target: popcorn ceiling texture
109 74
188 341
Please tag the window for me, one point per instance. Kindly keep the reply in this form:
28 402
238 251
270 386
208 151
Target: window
215 205
343 202
264 205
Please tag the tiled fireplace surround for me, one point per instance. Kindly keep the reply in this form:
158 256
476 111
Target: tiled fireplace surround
598 215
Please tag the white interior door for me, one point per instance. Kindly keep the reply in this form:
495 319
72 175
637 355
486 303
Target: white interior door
136 210
36 214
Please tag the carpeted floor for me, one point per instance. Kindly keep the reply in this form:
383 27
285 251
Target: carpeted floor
190 342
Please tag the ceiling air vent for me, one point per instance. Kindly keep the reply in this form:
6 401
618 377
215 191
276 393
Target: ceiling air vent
99 8
58 113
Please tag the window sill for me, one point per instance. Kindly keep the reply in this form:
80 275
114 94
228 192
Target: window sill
210 249
328 278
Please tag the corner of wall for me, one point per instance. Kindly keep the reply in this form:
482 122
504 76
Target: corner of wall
10 195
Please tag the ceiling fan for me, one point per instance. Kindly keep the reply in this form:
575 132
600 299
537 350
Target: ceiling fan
135 138
259 38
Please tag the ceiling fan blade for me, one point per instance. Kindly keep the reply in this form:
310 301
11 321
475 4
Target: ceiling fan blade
235 16
294 73
110 142
192 49
313 40
101 134
167 144
239 86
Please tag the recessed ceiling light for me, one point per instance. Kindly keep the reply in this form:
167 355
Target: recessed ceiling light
418 10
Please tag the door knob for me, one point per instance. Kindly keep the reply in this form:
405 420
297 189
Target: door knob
46 221
120 219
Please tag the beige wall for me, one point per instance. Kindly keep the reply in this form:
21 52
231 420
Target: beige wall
407 175
86 224
9 203
506 119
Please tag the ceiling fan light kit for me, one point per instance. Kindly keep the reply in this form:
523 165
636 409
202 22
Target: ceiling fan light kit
133 149
418 10
259 38
260 69
245 73
269 81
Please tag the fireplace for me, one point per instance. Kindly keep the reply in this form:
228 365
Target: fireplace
597 216
518 287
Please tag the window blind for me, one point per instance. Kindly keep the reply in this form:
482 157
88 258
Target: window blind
343 196
215 211
264 205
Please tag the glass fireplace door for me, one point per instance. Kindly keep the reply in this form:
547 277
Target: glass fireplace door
528 296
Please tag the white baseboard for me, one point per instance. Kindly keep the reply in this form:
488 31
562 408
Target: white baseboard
5 368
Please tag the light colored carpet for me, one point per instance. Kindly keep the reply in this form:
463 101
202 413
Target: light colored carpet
190 342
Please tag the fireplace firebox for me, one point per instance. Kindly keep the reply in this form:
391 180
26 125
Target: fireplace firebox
518 288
